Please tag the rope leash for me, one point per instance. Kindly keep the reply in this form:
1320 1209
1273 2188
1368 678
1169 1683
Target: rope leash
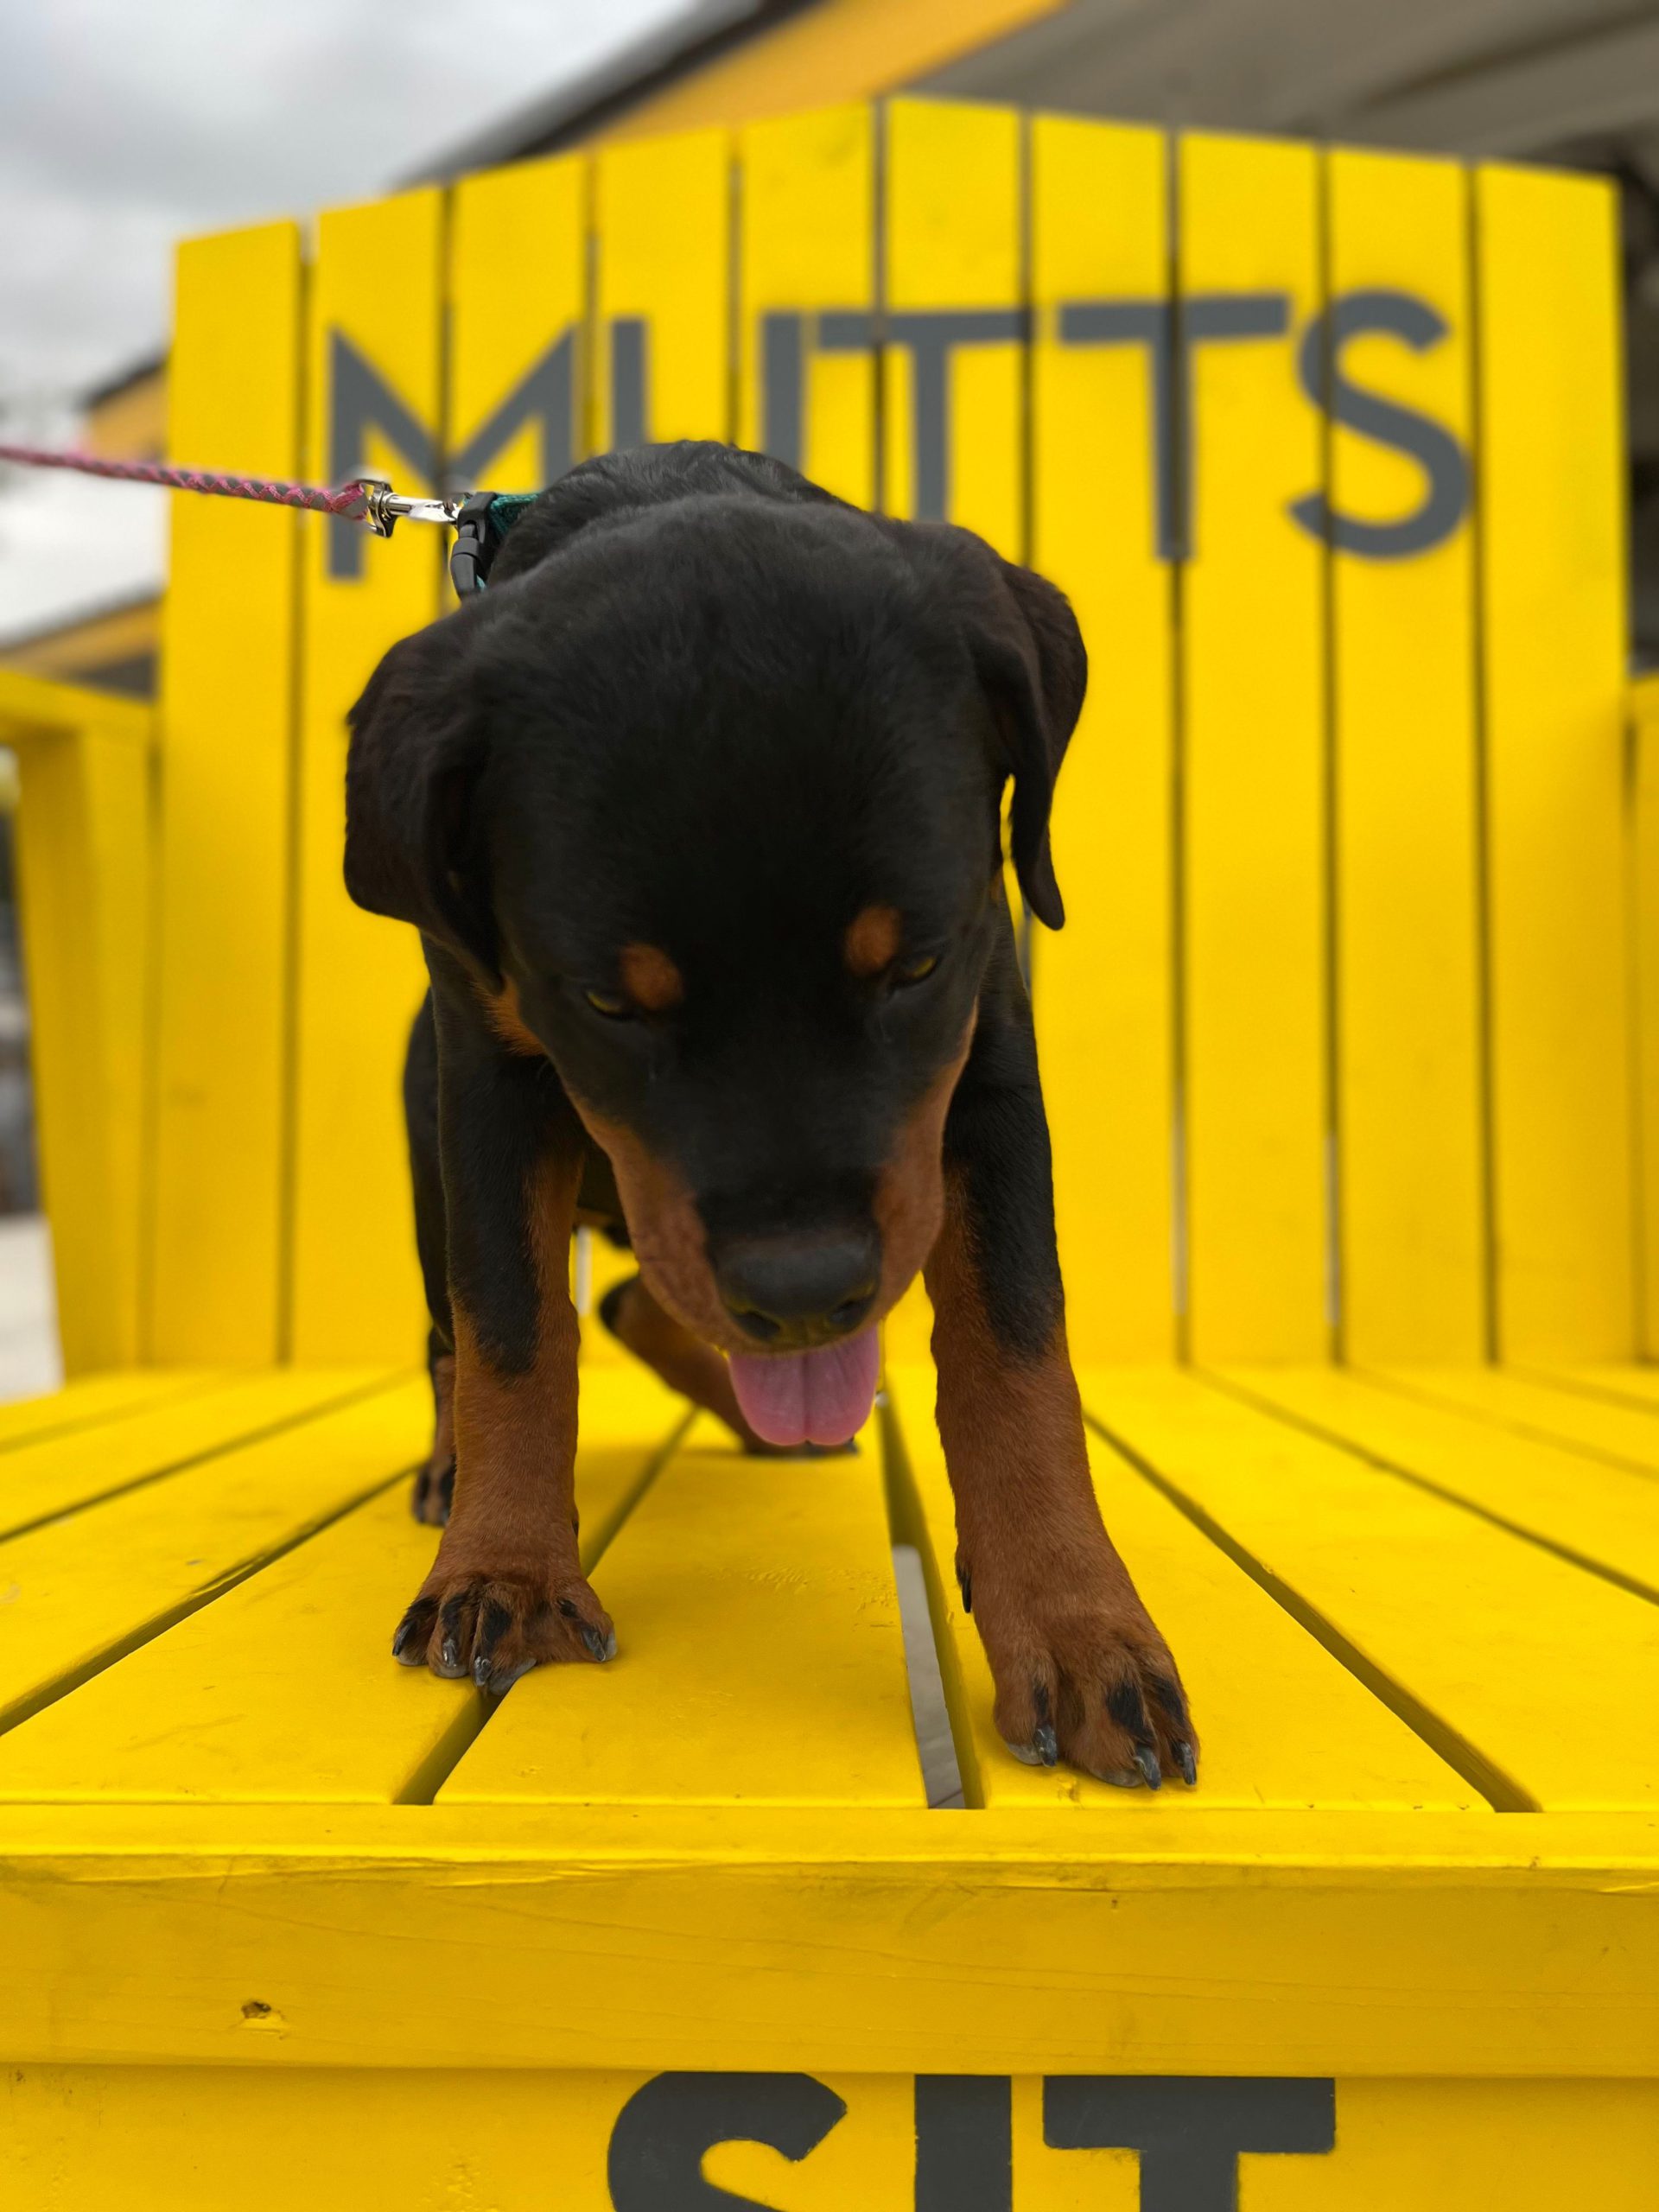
479 518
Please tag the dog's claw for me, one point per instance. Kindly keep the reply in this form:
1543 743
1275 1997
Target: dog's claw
1182 1754
600 1648
1146 1760
403 1644
1043 1750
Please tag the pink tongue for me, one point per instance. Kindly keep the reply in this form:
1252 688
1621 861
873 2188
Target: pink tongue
809 1397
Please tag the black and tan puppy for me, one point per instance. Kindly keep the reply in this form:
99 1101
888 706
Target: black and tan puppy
696 810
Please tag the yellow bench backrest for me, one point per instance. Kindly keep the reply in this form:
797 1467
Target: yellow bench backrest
1327 448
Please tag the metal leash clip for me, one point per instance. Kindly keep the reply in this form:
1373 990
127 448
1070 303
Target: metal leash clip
383 508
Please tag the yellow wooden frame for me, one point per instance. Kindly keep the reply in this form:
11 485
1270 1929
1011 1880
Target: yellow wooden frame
86 824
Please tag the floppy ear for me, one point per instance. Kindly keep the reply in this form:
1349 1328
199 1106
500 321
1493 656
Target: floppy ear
1033 663
416 750
1028 652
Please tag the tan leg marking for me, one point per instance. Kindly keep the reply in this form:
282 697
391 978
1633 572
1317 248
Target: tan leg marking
507 1591
1079 1667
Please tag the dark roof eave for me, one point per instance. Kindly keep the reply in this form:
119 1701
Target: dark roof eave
135 372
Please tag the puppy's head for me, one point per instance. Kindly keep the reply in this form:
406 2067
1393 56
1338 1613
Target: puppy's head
706 797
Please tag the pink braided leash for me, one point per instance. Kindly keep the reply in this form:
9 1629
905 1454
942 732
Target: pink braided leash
350 500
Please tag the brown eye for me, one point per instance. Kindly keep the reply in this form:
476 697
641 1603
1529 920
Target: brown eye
914 971
610 1004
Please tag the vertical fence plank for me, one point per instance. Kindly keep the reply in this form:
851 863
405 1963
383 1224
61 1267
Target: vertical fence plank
518 291
226 731
955 320
954 327
85 822
376 316
1553 664
1253 666
662 349
1643 848
1409 1115
806 280
1104 988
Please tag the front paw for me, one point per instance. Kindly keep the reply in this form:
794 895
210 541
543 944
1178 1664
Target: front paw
496 1621
1082 1673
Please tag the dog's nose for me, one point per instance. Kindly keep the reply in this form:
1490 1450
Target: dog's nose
796 1291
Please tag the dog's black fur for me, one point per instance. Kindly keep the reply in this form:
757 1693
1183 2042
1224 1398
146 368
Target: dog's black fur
707 709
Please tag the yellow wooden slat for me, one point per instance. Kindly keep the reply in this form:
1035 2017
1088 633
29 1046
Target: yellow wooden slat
1254 775
95 1399
1547 1486
953 448
85 821
1103 989
1643 831
229 666
1465 1945
760 1659
58 1473
82 1590
806 386
1483 1634
1625 1385
1282 1723
351 1725
1532 1406
518 296
1408 1016
1554 648
355 1287
378 2136
662 366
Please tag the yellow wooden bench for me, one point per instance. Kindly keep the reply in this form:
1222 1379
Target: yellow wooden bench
1349 1047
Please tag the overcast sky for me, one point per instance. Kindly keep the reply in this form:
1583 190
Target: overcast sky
126 124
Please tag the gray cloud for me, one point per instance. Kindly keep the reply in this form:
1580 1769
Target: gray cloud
126 124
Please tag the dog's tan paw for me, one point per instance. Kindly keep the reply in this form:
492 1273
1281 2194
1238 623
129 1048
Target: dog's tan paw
1083 1675
496 1624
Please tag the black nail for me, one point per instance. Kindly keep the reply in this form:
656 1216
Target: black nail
1046 1747
413 1632
965 1583
481 1670
1146 1760
600 1648
1182 1754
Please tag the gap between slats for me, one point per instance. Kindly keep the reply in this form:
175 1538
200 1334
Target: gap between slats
234 1443
1499 1789
441 1761
148 1401
1324 1433
60 1685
